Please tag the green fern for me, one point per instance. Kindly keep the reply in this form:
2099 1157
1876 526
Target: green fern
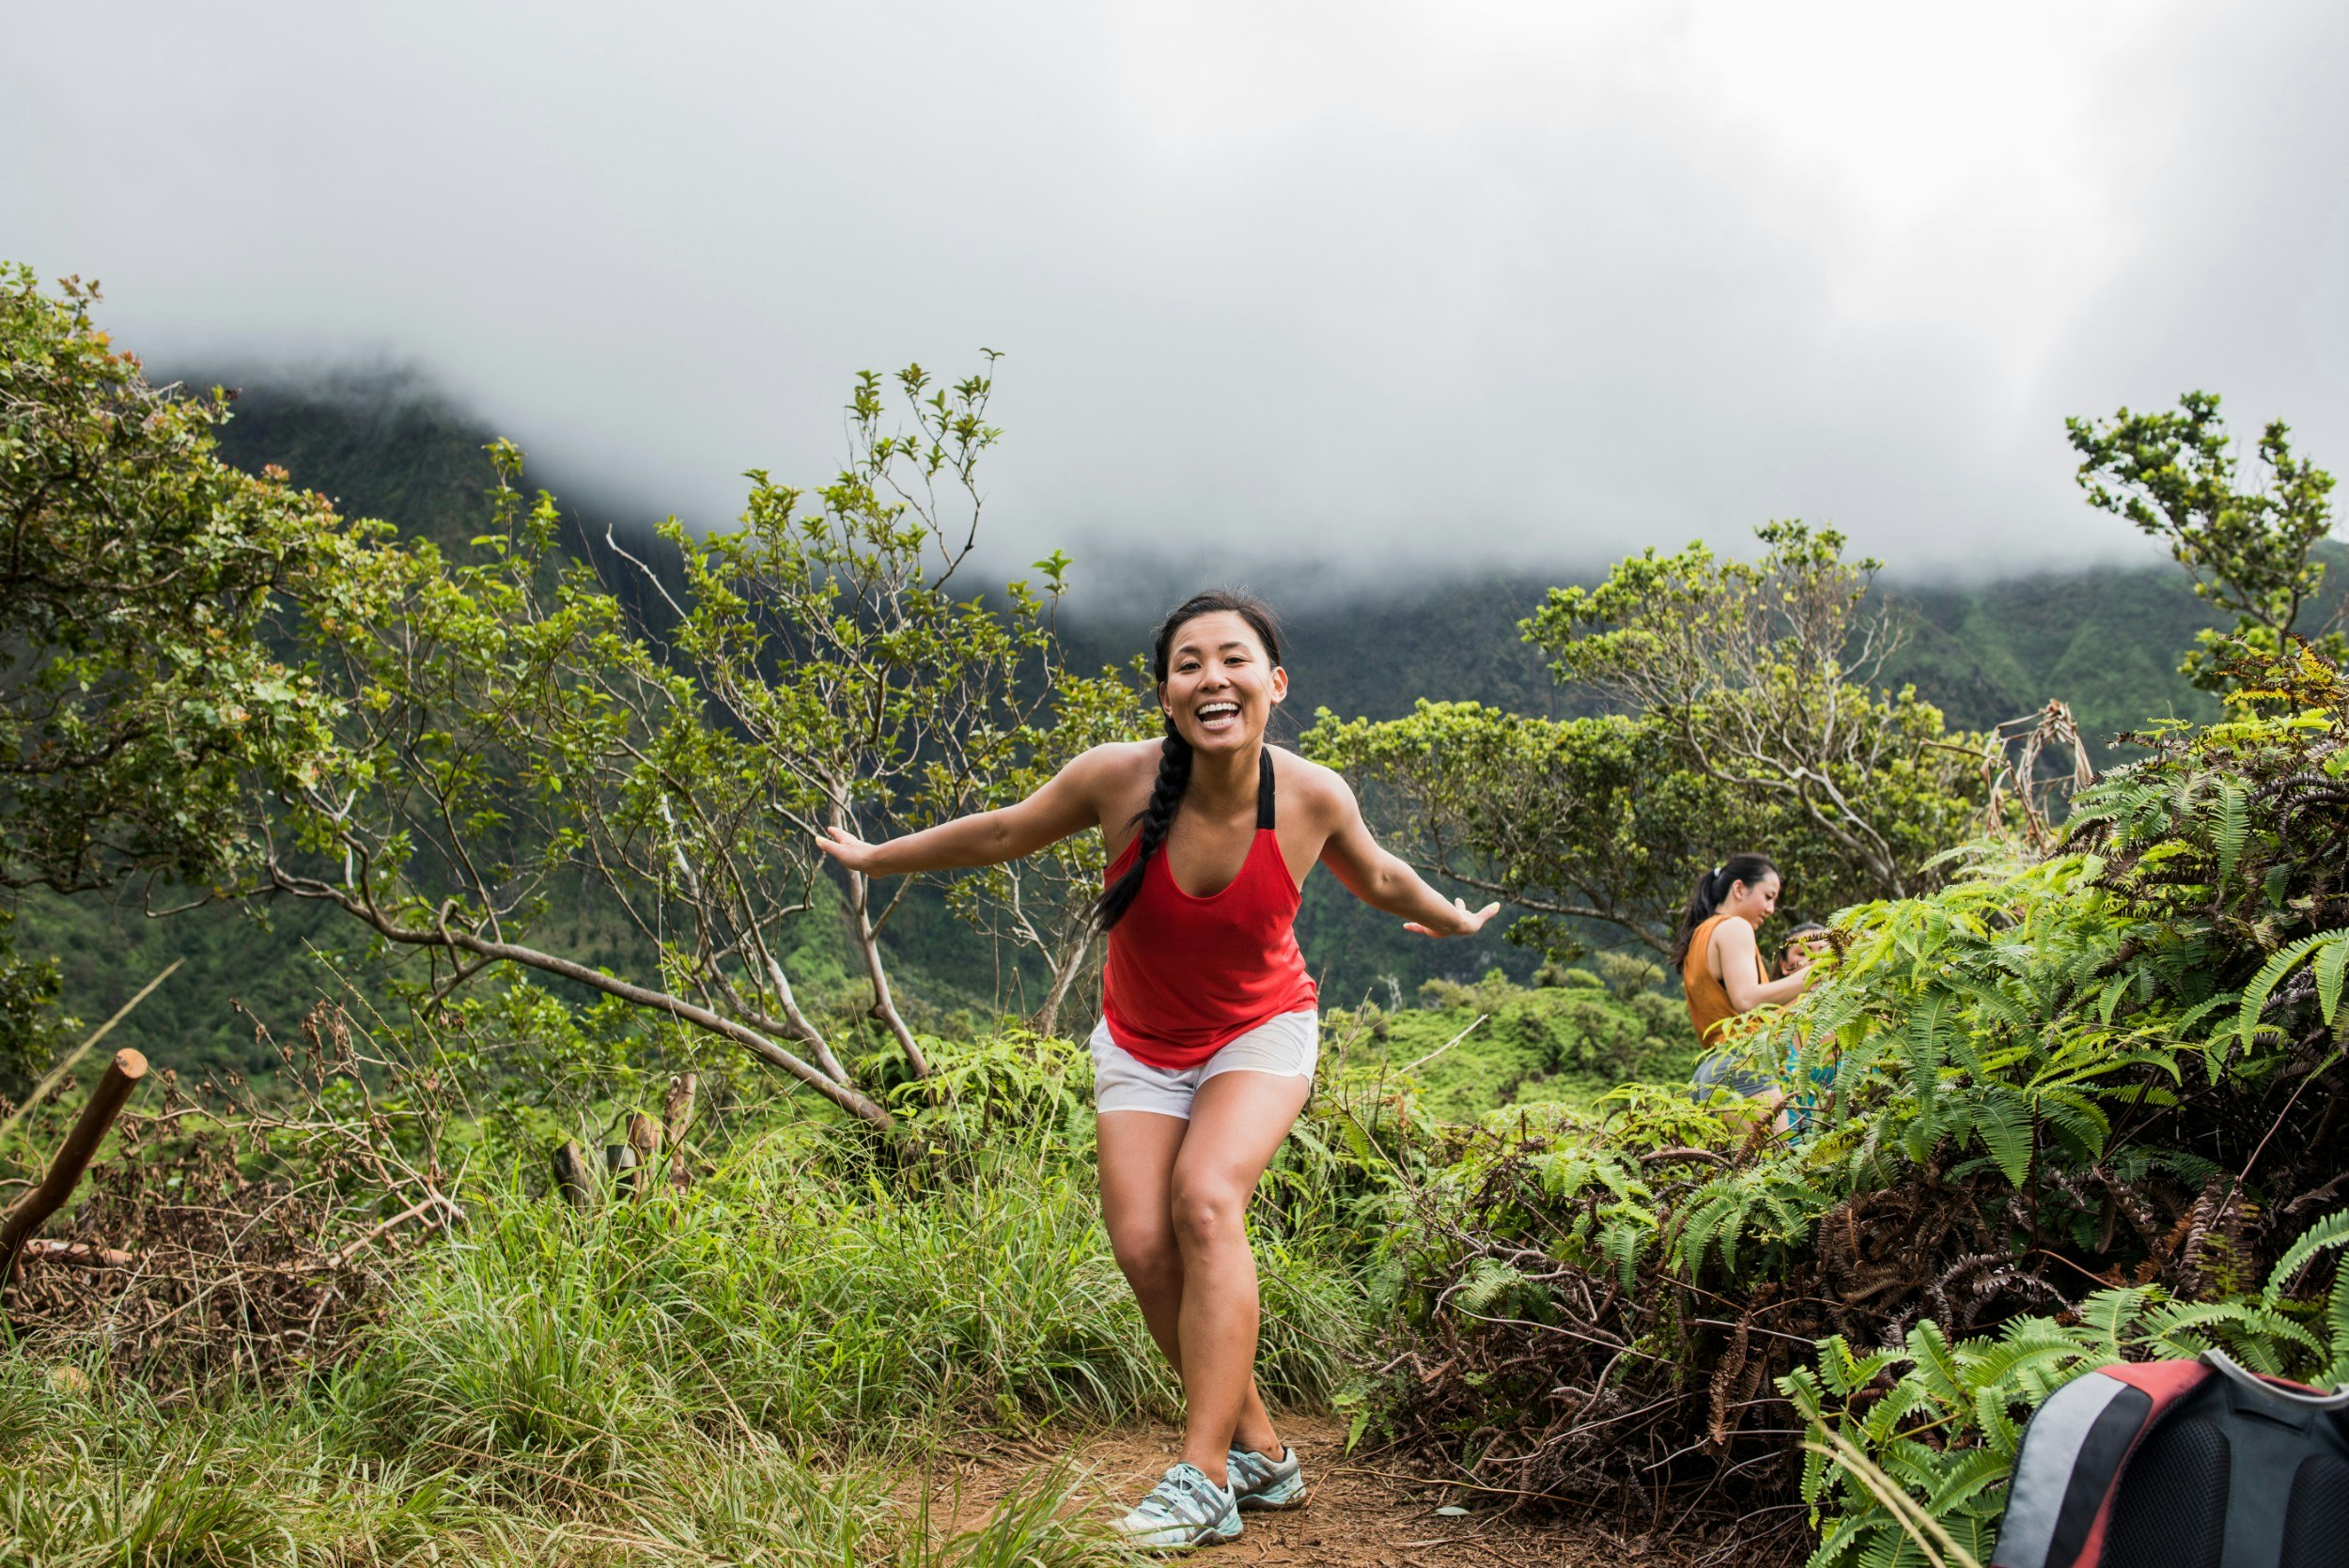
2271 974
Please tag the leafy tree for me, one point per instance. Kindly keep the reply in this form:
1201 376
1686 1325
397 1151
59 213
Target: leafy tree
1764 672
511 745
2251 550
1747 720
139 573
1576 820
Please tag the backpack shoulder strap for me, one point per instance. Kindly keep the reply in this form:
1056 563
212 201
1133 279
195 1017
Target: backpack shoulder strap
2061 1498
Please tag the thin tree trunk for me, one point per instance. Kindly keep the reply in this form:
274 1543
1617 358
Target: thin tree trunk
678 1114
884 1006
876 973
1063 976
801 1024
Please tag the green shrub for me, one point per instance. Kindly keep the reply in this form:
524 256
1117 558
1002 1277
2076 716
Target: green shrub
1567 1042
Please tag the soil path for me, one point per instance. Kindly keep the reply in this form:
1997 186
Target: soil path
1356 1514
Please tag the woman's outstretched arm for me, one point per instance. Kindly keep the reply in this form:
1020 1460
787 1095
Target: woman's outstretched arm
1382 879
1070 802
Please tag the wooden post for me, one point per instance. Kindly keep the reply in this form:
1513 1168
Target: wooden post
619 1159
33 1210
678 1116
570 1175
644 1136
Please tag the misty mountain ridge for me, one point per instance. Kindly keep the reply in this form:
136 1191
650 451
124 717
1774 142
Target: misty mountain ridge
383 441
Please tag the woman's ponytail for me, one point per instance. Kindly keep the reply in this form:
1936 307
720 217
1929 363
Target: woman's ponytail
1712 887
1157 817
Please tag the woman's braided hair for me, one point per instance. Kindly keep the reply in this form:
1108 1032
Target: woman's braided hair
1166 795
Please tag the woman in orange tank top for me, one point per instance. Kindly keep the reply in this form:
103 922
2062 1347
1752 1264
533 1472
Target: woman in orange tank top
1204 1054
1720 962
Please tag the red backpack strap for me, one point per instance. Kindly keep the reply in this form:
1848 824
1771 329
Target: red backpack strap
2061 1498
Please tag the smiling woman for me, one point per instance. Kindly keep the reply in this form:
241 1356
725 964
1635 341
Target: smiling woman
1205 1050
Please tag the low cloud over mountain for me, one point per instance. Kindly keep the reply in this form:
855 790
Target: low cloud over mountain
1369 285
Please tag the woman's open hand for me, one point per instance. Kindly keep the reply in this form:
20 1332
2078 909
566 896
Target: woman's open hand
848 849
1465 921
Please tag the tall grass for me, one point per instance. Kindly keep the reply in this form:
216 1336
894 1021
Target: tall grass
781 1301
749 1371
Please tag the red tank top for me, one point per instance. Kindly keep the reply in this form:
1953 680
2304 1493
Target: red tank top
1186 976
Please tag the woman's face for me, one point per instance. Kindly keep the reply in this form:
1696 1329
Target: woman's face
1754 901
1219 687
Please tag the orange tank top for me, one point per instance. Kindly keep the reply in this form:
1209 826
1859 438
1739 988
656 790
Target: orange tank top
1709 1005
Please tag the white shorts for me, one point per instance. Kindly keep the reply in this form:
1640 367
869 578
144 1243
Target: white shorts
1286 1047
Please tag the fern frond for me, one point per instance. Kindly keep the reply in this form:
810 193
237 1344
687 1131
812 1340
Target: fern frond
2329 1232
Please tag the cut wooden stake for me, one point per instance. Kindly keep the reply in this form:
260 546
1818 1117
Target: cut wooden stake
33 1210
570 1175
58 1073
644 1136
677 1115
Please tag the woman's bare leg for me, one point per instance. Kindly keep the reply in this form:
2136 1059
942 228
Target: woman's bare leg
1139 1152
1237 1121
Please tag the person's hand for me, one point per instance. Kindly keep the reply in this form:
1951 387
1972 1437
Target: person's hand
1465 920
848 849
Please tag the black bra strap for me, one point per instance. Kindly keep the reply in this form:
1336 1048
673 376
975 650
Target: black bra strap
1264 789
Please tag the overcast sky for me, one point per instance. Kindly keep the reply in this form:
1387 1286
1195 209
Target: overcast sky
1381 284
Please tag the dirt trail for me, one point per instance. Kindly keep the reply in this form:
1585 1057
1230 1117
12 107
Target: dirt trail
1356 1514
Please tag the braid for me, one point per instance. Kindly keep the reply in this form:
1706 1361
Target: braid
1166 795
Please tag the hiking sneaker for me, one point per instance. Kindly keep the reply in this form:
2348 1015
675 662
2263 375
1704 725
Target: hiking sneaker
1185 1508
1268 1483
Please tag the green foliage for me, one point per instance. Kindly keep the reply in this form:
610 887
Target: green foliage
1042 904
108 1475
138 574
1576 820
1763 672
31 1031
2115 1063
1745 720
2102 640
512 740
2251 551
136 693
750 1370
1469 1050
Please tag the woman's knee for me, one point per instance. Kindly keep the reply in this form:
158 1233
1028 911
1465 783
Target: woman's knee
1147 1255
1205 1212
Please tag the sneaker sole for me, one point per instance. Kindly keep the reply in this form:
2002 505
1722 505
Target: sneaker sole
1157 1548
1257 1502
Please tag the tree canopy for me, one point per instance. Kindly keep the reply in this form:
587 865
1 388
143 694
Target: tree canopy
1746 719
2249 549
